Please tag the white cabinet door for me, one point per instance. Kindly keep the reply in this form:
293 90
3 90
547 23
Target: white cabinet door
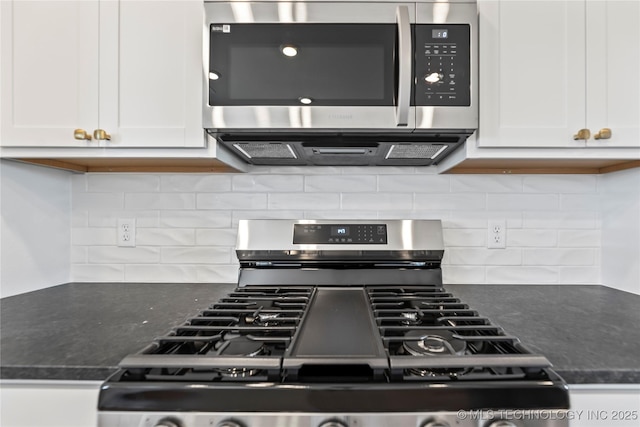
151 73
613 71
604 405
41 403
532 78
130 67
49 83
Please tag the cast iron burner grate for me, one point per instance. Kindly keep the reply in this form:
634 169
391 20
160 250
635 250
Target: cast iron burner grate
431 335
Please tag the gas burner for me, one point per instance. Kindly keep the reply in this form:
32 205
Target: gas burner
263 319
433 342
410 318
238 345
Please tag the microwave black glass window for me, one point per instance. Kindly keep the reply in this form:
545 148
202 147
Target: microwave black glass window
295 65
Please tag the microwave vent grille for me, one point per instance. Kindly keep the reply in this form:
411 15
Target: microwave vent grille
415 151
266 150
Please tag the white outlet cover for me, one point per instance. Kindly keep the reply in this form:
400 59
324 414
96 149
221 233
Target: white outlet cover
497 234
126 232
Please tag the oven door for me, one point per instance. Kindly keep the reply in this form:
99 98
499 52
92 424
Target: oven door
327 66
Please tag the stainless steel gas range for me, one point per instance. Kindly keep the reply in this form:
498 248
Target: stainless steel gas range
336 324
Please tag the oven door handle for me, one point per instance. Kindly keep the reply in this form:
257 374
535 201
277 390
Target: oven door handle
403 98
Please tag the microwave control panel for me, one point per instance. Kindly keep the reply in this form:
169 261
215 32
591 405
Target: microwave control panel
443 65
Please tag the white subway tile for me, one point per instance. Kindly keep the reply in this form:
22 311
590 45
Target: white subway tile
165 237
465 237
231 201
486 184
195 219
160 201
377 201
97 201
580 275
298 170
455 202
559 257
531 238
414 214
218 274
340 215
560 184
97 273
195 183
267 183
216 237
161 273
463 275
110 218
479 219
378 170
478 256
579 238
93 236
522 275
123 183
288 201
265 214
560 220
415 183
522 202
340 183
127 255
196 255
570 202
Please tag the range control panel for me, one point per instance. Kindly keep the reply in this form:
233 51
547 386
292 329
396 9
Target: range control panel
443 65
348 234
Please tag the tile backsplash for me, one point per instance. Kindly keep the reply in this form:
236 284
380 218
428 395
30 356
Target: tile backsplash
186 223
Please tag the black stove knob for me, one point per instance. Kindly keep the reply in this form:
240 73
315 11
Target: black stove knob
333 423
502 423
168 422
230 423
436 423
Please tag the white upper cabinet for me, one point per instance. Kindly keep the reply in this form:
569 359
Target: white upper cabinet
551 68
49 72
132 69
613 72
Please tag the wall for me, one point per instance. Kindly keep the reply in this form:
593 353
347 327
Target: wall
621 230
35 229
186 222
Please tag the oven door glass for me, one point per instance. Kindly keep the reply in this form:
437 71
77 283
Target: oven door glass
302 64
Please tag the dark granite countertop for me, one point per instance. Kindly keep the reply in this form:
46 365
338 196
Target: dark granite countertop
80 331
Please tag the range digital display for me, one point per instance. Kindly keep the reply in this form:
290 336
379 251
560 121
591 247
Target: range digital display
340 231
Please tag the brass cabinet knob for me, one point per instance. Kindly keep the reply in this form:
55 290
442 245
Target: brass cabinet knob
81 135
101 134
582 134
605 133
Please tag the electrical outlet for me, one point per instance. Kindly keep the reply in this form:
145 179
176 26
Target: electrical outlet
126 232
497 234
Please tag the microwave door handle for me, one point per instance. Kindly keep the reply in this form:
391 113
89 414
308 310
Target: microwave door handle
403 98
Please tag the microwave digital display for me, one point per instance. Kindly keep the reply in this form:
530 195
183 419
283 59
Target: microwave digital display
440 34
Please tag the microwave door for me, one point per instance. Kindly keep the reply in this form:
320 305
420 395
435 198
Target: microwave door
344 67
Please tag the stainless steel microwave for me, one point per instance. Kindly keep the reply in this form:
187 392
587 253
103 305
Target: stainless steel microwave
338 67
